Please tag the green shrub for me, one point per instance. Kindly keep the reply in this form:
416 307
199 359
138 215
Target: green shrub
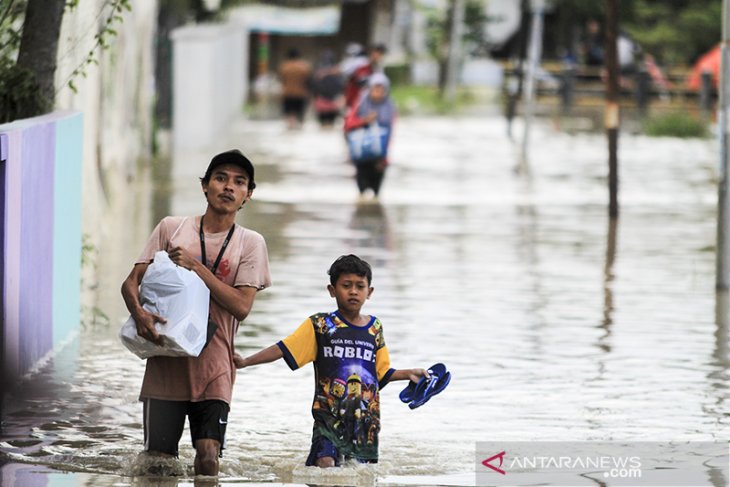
412 99
675 124
19 94
399 74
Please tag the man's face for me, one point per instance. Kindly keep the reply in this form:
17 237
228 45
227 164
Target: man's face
227 190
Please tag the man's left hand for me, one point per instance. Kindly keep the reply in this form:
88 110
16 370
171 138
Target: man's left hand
182 257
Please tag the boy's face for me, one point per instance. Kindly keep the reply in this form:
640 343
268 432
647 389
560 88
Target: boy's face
350 291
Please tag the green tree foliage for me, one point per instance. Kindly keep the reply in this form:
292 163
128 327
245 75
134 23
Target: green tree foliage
438 25
28 45
19 93
28 56
581 10
11 15
674 31
438 32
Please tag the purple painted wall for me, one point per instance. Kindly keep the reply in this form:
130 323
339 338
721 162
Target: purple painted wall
36 179
36 236
3 158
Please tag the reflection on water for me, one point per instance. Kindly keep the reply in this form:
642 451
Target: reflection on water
556 322
608 277
722 317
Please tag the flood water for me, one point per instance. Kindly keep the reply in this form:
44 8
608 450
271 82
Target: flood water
557 324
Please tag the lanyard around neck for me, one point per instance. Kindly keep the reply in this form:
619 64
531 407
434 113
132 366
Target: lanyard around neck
223 247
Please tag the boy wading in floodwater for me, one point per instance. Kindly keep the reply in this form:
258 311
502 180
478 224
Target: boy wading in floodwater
351 365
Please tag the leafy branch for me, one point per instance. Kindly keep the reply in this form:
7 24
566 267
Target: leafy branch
22 92
9 28
101 40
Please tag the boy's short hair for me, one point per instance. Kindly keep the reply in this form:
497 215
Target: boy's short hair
349 264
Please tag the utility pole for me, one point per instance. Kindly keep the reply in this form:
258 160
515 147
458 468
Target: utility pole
611 116
723 206
454 60
534 54
514 89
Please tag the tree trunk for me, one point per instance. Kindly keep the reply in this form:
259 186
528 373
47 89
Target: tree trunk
456 32
444 49
39 44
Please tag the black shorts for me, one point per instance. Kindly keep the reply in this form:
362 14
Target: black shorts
294 105
164 422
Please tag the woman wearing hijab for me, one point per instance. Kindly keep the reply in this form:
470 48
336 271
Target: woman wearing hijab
374 109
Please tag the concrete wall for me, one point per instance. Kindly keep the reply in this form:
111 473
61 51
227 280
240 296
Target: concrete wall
210 82
116 98
41 237
473 72
111 145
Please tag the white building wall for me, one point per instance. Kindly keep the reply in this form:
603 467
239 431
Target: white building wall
480 72
209 82
505 20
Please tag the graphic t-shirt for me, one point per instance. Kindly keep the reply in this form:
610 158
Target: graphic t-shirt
351 364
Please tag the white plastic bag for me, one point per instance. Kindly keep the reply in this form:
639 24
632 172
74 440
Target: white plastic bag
181 297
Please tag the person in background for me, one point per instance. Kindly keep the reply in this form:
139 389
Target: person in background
327 88
355 69
295 75
374 106
233 263
358 67
377 53
592 45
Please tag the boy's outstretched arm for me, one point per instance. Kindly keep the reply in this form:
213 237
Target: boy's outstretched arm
409 374
264 356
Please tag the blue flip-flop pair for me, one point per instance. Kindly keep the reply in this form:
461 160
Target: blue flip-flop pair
418 394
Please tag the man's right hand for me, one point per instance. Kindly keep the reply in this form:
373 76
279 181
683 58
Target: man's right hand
146 326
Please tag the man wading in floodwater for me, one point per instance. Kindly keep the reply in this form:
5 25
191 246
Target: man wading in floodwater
233 262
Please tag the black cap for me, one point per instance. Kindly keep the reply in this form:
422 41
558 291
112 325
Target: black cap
235 157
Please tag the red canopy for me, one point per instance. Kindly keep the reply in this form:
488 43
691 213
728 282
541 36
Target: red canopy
709 61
